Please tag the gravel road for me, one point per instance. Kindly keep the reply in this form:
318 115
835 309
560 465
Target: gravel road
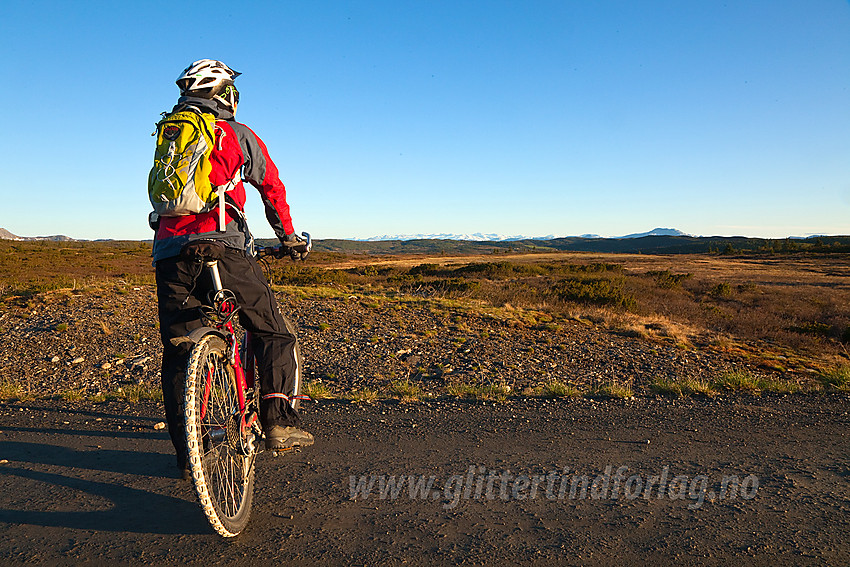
93 484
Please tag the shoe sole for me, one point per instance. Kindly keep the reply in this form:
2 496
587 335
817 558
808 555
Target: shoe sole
286 446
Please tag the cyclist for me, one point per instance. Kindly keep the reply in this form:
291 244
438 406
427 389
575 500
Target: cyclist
208 85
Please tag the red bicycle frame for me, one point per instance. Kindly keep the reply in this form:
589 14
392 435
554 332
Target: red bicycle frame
244 379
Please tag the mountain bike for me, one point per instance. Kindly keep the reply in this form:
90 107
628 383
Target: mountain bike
222 403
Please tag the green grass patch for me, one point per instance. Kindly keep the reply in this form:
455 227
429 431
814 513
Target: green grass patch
747 382
738 381
552 389
11 391
495 391
73 395
721 290
778 386
679 388
813 328
612 390
363 395
404 390
135 393
668 280
836 379
317 390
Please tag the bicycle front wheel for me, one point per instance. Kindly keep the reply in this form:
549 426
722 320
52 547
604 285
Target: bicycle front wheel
222 464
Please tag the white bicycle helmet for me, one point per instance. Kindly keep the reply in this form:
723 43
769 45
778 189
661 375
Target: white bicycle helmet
208 78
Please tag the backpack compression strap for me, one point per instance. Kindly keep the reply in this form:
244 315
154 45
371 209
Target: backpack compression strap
220 191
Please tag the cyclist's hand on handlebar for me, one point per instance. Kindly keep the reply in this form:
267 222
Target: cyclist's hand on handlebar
296 247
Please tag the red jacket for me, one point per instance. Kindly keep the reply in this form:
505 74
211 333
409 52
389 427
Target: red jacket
236 146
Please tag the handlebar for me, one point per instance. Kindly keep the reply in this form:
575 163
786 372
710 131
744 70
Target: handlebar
300 248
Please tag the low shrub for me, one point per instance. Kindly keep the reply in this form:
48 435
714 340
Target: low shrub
597 291
667 279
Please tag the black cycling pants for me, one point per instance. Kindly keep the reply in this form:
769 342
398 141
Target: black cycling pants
180 291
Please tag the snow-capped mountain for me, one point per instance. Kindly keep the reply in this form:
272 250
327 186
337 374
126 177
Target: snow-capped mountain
656 232
6 235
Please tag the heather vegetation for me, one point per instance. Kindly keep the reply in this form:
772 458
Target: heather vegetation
718 307
31 267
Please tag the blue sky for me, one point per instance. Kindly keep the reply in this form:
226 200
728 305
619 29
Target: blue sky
511 117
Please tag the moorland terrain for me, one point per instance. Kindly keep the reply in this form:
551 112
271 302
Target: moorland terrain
79 321
513 361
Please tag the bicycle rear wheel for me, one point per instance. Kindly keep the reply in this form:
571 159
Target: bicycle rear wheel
222 463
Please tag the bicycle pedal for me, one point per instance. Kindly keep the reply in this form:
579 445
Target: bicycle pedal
281 452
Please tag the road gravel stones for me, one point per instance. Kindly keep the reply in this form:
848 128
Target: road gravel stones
96 341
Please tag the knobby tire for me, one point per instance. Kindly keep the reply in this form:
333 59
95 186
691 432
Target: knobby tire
222 474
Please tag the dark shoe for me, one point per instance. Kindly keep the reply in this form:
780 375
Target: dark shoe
282 438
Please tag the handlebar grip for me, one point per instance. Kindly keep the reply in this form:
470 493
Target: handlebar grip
302 246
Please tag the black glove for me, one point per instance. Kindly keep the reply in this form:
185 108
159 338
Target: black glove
295 247
153 220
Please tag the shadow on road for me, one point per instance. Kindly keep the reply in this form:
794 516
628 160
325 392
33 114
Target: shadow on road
96 489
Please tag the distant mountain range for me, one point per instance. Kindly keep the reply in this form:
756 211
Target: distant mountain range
630 244
655 241
490 237
475 237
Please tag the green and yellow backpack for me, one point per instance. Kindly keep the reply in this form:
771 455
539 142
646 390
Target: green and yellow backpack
179 181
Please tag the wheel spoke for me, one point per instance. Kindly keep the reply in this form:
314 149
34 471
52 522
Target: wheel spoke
226 478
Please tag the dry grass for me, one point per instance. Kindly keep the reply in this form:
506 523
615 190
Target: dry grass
679 388
612 390
747 382
800 303
654 326
495 391
404 390
317 390
552 389
136 392
363 395
13 391
836 379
